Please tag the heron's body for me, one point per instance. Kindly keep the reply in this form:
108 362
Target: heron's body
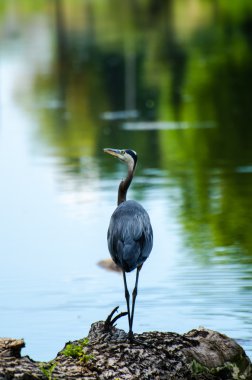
130 236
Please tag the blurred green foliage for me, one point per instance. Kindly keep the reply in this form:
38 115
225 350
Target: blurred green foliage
186 64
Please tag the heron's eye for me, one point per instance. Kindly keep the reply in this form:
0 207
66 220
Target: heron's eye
123 151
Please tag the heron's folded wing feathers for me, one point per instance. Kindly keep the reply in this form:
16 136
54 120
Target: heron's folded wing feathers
130 236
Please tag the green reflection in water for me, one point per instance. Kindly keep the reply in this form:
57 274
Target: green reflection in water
173 81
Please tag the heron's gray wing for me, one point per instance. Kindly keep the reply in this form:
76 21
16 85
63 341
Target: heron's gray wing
130 235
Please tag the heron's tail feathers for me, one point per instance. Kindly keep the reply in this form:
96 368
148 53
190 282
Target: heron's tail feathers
129 257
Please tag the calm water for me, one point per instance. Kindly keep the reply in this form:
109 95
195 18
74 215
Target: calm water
75 79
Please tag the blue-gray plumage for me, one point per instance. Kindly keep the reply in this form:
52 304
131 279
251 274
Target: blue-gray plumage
130 236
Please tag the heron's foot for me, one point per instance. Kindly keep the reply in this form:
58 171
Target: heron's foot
130 336
110 322
133 340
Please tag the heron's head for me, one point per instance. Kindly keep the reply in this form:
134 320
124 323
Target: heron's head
128 156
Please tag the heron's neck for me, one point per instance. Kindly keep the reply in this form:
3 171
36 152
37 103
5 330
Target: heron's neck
124 185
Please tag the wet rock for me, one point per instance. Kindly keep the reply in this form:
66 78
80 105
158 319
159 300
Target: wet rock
110 265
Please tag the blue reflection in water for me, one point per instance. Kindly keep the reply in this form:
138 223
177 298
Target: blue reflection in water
53 233
51 289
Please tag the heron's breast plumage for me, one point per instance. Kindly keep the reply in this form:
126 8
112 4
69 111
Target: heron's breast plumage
130 236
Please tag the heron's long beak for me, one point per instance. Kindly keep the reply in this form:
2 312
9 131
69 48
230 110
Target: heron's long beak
114 152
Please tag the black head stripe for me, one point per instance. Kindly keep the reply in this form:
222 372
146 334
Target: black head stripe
133 155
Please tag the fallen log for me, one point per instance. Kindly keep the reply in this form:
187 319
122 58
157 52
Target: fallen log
106 353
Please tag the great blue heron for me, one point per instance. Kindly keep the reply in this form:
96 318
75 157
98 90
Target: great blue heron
130 236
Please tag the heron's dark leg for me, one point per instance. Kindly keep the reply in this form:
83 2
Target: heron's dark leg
127 296
134 294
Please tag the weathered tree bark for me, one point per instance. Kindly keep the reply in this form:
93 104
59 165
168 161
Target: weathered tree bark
200 354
